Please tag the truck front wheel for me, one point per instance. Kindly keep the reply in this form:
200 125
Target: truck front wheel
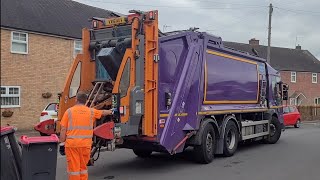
275 131
143 153
204 153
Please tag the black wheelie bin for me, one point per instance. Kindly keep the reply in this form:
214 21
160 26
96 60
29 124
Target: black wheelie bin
39 157
10 155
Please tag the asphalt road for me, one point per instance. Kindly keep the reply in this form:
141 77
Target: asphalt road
296 156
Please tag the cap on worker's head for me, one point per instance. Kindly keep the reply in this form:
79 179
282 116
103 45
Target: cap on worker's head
81 97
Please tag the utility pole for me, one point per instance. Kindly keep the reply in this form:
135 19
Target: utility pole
269 32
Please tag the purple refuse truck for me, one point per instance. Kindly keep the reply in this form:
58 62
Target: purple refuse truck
173 90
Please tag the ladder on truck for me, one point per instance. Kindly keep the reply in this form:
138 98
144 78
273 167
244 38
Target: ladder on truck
91 102
94 94
263 91
255 129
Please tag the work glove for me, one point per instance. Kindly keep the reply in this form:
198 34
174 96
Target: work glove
62 149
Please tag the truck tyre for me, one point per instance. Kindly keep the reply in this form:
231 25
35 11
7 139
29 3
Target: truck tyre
275 131
142 153
231 139
204 153
297 125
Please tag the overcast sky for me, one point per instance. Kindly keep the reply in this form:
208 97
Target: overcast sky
293 22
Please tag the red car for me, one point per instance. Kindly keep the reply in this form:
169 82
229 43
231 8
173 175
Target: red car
291 116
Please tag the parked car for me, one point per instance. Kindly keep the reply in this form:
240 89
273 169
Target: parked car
49 112
47 118
291 116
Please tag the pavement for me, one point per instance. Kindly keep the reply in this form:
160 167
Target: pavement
294 157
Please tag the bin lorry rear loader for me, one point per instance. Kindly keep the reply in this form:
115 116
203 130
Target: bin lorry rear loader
172 90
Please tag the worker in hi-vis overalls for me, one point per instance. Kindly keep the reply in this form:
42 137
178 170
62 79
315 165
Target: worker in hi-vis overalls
76 134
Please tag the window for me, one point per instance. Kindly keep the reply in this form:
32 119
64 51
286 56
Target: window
293 101
77 47
317 100
52 107
293 77
75 82
286 110
292 109
19 43
125 79
314 77
10 96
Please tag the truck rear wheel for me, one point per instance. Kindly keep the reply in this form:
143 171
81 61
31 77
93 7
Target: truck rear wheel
275 131
204 153
231 139
143 153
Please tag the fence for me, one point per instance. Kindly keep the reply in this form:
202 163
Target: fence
309 113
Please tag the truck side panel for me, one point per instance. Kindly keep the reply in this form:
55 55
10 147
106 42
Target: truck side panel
230 80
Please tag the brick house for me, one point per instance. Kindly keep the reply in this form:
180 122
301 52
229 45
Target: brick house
39 39
298 68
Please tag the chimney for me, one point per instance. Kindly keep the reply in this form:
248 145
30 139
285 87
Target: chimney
298 47
254 42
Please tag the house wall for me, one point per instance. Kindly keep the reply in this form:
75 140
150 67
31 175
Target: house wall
303 84
42 70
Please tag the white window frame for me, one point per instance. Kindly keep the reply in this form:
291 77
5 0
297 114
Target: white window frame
21 42
317 101
11 95
293 74
75 48
316 76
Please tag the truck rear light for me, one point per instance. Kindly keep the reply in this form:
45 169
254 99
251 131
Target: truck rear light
138 107
44 113
151 15
122 110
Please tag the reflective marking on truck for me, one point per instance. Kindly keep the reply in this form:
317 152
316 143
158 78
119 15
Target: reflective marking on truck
231 57
231 111
275 107
178 114
162 121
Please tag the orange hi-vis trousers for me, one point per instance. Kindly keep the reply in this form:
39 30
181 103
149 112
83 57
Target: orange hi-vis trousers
77 159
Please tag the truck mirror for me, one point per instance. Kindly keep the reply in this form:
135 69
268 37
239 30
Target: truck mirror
285 89
285 95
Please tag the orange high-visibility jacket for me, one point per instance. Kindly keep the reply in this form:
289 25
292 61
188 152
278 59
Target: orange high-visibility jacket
79 121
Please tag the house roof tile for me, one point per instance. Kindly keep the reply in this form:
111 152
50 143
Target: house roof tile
56 17
284 59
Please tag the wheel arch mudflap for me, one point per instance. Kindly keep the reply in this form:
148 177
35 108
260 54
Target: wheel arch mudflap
223 126
196 139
